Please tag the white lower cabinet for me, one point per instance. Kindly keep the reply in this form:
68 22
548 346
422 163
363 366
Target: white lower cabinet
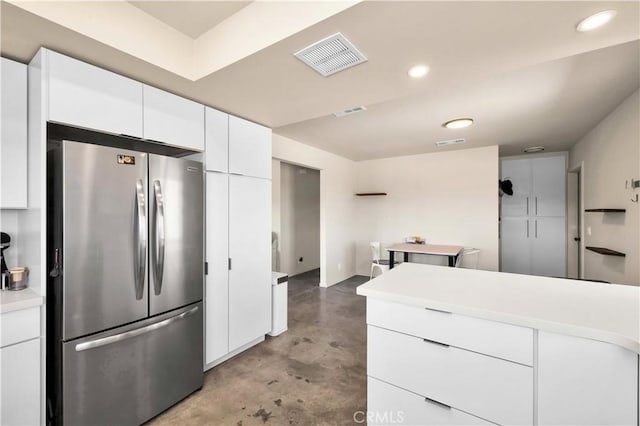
493 389
389 404
585 382
427 367
238 246
20 394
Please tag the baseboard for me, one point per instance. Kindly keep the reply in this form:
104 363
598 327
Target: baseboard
233 353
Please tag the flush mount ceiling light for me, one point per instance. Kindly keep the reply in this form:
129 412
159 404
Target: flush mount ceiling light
458 123
596 21
418 71
532 149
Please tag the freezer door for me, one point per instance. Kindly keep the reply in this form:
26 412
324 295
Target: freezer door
131 374
176 228
104 237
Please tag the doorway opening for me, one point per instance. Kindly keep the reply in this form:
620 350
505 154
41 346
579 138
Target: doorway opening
296 221
575 222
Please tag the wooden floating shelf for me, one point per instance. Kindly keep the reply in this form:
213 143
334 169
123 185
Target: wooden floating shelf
606 210
370 194
605 251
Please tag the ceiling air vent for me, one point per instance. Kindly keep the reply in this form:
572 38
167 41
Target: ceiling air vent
349 111
450 142
331 55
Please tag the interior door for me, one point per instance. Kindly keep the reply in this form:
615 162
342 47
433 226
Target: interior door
250 257
105 234
515 245
176 228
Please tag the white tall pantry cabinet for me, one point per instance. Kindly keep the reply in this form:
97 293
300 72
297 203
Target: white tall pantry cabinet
533 219
238 240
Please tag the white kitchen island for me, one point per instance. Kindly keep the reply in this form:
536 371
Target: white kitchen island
460 346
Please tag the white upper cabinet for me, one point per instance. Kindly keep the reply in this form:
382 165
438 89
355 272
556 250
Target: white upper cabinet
249 148
13 151
173 120
87 96
549 177
217 140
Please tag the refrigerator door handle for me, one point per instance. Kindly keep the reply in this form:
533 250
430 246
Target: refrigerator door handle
158 250
133 333
142 240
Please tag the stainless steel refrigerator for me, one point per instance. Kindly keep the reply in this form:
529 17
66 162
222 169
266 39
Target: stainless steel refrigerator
125 312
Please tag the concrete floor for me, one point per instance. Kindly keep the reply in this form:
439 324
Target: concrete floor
315 373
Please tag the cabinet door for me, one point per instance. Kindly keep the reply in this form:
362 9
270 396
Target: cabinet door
249 148
87 96
172 119
548 252
549 186
217 279
515 245
519 172
585 382
13 151
20 393
217 140
250 253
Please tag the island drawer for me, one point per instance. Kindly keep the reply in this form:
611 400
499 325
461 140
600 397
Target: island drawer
388 404
497 339
19 326
493 389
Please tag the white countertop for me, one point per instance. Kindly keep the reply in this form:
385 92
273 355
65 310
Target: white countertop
21 299
604 312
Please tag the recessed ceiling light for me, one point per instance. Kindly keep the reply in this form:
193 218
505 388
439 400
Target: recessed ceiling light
595 21
534 149
458 123
418 71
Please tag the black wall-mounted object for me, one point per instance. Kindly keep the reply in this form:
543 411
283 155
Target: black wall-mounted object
370 194
605 210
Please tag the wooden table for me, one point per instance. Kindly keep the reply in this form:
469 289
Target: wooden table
452 252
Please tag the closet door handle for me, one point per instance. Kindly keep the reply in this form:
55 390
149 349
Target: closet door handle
536 206
527 229
536 228
527 207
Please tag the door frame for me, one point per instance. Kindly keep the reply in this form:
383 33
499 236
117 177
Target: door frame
579 171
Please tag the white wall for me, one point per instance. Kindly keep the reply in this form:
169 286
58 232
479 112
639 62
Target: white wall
300 219
337 207
610 152
448 198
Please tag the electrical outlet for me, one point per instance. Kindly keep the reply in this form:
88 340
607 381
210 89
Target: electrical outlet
588 230
339 266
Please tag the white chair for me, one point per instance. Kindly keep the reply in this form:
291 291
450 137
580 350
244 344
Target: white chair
377 263
467 252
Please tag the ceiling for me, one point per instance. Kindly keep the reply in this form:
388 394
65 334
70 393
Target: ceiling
518 68
192 18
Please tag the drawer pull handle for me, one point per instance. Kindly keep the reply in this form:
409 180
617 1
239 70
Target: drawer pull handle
435 343
438 403
438 310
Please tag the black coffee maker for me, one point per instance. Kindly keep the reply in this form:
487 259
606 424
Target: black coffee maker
5 242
